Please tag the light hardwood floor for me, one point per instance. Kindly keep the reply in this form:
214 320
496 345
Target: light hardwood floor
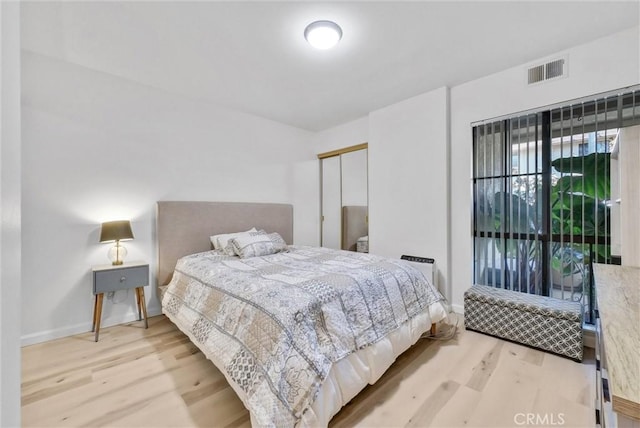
153 378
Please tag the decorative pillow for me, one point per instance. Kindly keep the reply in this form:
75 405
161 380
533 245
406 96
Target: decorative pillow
254 245
230 250
220 242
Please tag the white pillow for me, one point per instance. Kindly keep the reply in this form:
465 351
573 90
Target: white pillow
258 244
221 241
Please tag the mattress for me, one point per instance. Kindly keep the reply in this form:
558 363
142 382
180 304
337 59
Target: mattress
298 334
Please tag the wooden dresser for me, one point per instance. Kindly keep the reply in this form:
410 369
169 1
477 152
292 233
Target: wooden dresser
617 291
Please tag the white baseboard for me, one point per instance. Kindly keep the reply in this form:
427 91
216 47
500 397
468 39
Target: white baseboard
57 333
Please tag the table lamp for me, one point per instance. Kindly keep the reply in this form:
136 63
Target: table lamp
116 231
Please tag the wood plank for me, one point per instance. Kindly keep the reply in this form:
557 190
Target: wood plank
432 404
156 377
458 410
484 369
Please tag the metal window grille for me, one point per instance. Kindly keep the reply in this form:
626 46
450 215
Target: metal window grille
541 195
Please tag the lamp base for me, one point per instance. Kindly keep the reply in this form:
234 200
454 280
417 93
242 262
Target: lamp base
117 254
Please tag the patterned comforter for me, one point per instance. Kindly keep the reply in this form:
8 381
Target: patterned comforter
275 324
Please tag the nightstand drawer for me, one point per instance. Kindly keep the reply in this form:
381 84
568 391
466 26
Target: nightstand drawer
120 279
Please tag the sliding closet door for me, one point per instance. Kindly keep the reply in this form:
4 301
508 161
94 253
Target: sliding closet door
355 223
354 178
331 202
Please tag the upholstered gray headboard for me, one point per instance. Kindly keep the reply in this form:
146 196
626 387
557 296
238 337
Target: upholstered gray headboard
354 225
184 227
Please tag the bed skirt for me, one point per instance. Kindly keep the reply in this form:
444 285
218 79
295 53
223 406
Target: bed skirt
351 374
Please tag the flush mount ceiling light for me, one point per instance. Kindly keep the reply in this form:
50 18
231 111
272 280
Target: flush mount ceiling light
323 34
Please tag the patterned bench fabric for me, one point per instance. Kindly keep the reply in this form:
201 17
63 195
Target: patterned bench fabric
556 308
550 324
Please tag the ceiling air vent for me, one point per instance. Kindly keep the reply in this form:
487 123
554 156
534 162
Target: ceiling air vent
550 70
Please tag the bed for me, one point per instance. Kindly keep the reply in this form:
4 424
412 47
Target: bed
297 333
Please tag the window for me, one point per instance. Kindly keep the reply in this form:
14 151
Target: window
542 196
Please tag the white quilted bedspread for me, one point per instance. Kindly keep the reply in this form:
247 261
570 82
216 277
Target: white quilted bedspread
276 324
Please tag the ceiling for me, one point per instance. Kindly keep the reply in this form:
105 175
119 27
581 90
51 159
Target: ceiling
251 56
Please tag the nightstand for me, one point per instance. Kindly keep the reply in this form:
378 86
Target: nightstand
107 278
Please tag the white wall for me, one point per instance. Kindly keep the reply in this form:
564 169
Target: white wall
306 200
602 65
344 135
10 223
408 180
97 147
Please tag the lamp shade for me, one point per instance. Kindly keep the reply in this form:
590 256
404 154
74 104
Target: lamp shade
116 231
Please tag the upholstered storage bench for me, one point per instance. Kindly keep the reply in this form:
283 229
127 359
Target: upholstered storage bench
542 322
